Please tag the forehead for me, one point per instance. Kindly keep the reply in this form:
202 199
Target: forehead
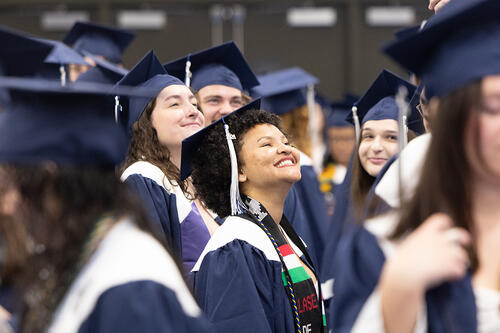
381 125
346 130
175 89
263 130
219 90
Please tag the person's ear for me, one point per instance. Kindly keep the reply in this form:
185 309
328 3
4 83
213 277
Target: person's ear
242 177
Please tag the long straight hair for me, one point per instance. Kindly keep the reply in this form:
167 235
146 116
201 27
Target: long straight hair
361 184
445 185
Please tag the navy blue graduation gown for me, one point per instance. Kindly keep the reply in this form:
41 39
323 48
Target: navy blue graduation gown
305 208
129 284
160 206
315 210
238 281
356 270
143 306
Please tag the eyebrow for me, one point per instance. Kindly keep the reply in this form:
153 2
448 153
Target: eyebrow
386 131
172 97
270 138
211 96
177 97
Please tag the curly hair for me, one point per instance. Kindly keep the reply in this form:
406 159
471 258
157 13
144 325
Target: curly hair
145 146
211 175
49 223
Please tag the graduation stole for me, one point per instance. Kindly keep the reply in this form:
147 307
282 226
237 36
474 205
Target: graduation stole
307 305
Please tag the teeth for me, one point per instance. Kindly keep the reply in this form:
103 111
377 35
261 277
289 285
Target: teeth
285 162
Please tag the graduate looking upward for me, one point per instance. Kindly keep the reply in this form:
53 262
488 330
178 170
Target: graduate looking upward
286 93
157 127
220 77
255 274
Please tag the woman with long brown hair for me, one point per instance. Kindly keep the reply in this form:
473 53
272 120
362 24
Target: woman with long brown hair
377 140
441 272
157 127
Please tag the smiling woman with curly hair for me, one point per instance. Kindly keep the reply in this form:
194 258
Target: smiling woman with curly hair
255 274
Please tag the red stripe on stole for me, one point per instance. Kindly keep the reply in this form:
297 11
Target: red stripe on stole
286 250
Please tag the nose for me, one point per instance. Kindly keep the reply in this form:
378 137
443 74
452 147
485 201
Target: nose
377 144
192 111
226 108
284 149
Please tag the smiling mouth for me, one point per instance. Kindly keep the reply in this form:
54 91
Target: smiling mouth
377 160
192 124
285 163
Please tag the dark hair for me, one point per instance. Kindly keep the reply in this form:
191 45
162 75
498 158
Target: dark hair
445 184
212 166
56 210
145 146
361 183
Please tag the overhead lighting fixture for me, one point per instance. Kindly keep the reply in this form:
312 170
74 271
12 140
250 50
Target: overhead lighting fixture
390 16
62 20
142 19
311 17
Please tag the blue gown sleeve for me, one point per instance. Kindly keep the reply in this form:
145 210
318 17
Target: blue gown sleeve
141 306
294 212
355 269
161 208
315 211
241 291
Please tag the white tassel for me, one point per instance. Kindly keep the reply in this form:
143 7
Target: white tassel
62 70
118 107
357 126
402 116
235 198
188 73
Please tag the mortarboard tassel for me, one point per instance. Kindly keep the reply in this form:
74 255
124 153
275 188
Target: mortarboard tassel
402 116
187 80
235 198
357 126
118 107
62 70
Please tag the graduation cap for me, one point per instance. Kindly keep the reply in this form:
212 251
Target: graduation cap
338 115
147 73
379 101
99 40
21 55
459 44
103 72
191 144
219 65
284 90
54 66
68 125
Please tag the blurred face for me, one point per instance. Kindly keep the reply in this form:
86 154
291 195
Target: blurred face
268 160
176 116
341 142
76 70
379 142
484 152
218 100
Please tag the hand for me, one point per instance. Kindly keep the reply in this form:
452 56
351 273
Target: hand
437 4
433 253
4 314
